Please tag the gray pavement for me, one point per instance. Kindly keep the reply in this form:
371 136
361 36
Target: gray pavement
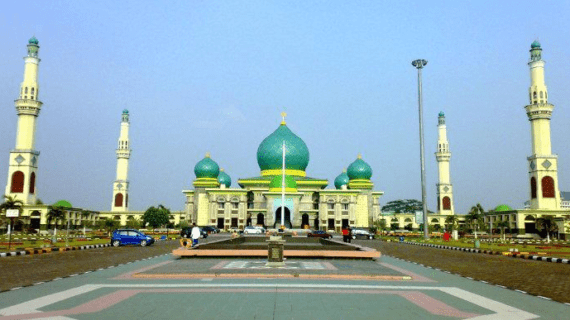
121 292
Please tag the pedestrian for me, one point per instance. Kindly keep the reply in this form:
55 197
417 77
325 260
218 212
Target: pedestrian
345 234
195 234
349 238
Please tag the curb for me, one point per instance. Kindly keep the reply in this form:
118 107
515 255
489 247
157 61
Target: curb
521 256
49 250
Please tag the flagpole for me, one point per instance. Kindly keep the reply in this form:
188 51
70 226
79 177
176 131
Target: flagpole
283 190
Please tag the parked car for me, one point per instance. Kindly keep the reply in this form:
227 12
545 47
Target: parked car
187 232
319 234
130 236
210 229
362 233
253 230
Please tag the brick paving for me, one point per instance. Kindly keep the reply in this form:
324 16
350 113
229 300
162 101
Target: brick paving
535 277
539 278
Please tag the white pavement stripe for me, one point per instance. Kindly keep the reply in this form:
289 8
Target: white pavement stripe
31 306
502 311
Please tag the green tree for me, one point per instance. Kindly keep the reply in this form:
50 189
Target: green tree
56 214
546 223
451 222
403 206
156 217
108 224
475 218
9 203
381 224
503 225
133 223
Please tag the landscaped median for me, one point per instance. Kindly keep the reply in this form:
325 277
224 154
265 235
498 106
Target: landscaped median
29 251
511 253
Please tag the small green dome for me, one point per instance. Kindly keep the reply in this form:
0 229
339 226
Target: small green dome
63 204
270 151
535 44
125 111
224 178
341 180
441 114
275 183
206 168
503 207
33 40
359 169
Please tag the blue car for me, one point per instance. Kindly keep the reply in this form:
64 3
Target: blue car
130 236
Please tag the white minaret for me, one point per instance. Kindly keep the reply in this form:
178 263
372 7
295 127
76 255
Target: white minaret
543 165
121 184
23 164
444 187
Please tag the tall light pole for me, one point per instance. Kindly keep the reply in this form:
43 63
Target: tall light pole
419 64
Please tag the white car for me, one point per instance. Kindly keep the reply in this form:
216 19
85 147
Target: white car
253 230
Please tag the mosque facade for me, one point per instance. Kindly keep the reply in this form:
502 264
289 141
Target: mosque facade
259 200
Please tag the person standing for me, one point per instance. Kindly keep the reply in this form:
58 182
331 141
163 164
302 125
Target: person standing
195 234
345 234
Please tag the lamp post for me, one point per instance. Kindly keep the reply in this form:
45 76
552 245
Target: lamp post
419 64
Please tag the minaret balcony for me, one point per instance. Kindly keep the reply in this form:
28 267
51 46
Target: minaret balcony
123 154
443 156
28 106
539 111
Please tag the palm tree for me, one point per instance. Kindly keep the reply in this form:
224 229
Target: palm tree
475 217
451 222
546 223
503 225
10 203
56 214
109 224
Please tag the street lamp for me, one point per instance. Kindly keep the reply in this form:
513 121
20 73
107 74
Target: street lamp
419 64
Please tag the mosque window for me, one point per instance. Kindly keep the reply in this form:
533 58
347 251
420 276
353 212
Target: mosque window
541 96
127 200
438 204
546 95
235 205
17 182
547 187
119 200
25 97
533 188
26 90
534 95
221 205
32 97
345 206
330 206
446 203
33 182
34 90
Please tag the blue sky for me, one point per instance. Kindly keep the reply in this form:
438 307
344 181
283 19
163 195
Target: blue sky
213 76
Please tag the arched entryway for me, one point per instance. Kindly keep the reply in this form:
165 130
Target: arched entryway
304 221
530 224
287 218
35 219
260 219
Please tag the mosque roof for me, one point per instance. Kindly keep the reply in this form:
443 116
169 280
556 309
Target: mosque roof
126 111
33 40
270 151
276 183
503 207
441 114
224 178
341 180
535 44
359 169
63 204
206 168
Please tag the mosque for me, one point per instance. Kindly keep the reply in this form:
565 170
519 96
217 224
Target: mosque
283 158
258 200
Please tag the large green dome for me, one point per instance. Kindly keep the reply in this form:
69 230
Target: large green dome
207 168
341 180
503 207
359 169
276 185
63 204
270 152
224 178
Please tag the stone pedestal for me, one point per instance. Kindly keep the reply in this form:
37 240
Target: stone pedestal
275 252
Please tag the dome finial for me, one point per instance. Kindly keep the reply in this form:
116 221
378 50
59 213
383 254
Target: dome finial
283 114
359 156
208 154
221 169
344 170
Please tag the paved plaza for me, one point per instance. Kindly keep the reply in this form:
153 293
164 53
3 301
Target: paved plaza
166 287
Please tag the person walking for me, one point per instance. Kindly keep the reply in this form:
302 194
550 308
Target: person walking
195 234
345 234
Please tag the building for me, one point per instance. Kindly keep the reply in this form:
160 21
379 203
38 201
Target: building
259 201
544 191
443 156
23 164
